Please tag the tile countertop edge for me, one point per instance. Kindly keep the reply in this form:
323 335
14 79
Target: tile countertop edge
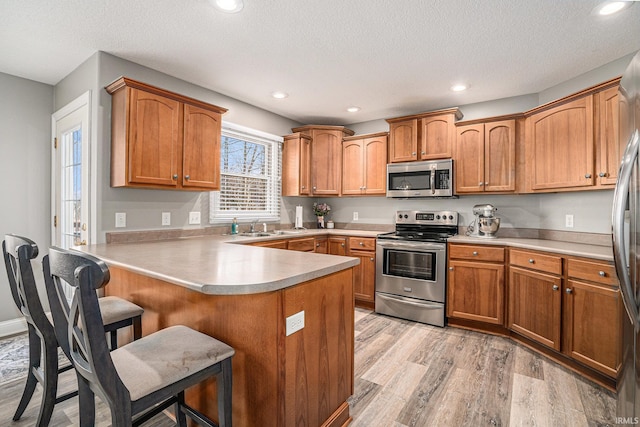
604 253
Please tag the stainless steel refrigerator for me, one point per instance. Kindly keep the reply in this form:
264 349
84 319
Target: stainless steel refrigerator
626 243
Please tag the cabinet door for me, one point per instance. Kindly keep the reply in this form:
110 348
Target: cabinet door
321 245
352 167
364 276
304 244
609 145
403 141
326 162
291 165
469 161
560 143
305 165
375 165
437 137
534 306
154 139
337 245
476 291
500 156
201 148
592 325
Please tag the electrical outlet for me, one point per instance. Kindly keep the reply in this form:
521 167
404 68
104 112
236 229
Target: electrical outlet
194 217
121 219
568 221
295 322
166 218
355 216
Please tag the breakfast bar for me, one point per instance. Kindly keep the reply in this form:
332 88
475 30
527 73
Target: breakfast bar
283 375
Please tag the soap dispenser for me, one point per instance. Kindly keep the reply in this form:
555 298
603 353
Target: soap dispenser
234 226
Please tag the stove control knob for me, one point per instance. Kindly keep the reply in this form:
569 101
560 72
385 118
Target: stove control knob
400 216
451 217
437 216
406 216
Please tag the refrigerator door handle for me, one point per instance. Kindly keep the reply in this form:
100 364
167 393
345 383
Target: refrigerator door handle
620 256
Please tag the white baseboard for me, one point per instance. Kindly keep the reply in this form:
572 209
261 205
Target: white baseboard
12 327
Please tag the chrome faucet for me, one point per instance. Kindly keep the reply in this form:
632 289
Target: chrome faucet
253 225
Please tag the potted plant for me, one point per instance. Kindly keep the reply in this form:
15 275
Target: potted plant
321 210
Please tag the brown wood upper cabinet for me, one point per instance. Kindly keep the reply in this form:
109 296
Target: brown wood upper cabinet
572 143
326 157
422 136
296 161
160 139
485 157
364 164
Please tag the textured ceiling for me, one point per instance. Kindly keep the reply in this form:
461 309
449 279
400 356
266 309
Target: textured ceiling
388 57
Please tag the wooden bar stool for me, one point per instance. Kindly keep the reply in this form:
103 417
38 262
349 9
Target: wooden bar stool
43 346
141 378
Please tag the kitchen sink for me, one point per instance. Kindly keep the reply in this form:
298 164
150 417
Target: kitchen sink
255 234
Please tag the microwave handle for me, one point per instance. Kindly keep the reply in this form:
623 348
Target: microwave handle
433 180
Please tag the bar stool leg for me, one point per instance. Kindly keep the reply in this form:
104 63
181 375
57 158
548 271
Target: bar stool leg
181 418
32 381
224 383
50 384
137 327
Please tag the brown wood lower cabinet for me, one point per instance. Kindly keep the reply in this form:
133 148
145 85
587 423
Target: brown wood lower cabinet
337 245
566 307
476 287
534 305
365 273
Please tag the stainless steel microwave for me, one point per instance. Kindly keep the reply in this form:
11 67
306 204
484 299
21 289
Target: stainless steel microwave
431 178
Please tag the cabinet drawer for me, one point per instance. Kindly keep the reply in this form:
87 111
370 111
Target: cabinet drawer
362 243
592 270
307 244
477 253
537 261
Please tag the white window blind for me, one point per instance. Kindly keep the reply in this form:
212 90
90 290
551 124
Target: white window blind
250 176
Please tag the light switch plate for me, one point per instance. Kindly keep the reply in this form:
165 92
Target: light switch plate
355 216
166 218
194 217
568 221
121 219
295 322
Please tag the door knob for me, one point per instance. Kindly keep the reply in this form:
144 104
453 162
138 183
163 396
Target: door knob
588 176
568 290
187 177
555 287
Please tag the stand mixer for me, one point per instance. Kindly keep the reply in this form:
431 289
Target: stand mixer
486 224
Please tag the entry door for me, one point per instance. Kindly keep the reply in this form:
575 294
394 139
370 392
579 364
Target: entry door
70 174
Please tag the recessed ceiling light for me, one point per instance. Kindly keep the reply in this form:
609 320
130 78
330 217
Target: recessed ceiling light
611 7
353 109
228 6
458 87
279 95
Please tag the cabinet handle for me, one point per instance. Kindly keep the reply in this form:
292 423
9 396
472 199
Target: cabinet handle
450 268
317 245
175 176
602 273
423 153
413 154
315 188
568 290
342 244
372 259
187 177
602 174
531 261
361 244
303 187
555 287
587 175
474 253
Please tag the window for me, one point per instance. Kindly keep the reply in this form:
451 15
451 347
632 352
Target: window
250 166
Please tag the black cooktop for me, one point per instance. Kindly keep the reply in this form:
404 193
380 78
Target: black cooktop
423 226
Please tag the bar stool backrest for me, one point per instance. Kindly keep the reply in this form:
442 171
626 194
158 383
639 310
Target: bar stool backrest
82 321
18 252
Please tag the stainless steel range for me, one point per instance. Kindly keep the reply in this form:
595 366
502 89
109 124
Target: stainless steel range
411 266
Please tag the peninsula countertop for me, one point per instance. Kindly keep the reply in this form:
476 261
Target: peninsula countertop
214 265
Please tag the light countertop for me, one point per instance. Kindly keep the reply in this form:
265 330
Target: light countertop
213 266
604 253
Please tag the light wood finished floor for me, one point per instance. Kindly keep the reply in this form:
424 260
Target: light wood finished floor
410 374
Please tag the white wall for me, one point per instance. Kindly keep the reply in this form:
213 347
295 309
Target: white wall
25 120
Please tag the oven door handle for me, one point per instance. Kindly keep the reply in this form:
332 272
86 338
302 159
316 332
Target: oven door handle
409 301
422 246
